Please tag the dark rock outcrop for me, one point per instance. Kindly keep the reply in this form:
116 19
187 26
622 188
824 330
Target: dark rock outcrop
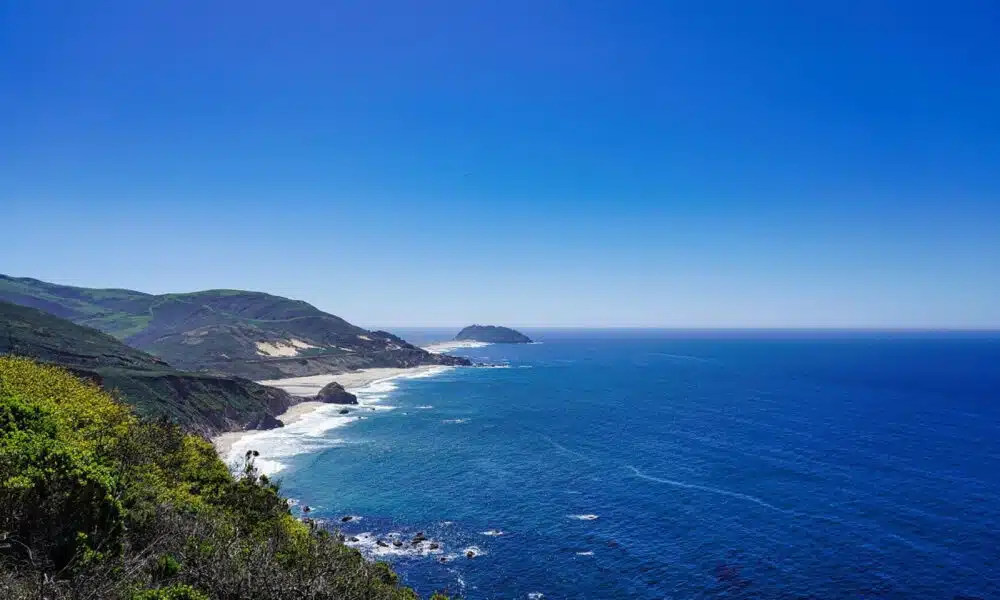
334 393
492 334
264 421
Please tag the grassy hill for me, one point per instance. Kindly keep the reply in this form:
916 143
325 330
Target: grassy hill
246 334
198 402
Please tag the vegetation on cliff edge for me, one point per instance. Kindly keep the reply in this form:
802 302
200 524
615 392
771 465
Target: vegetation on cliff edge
96 503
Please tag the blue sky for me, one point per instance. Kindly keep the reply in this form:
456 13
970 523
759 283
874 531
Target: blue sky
629 163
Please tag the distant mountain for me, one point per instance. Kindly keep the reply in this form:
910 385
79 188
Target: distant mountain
492 334
247 334
200 403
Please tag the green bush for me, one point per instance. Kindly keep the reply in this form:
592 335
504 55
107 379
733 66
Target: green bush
96 503
174 592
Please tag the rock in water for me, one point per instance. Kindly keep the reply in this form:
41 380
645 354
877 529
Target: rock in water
334 393
492 334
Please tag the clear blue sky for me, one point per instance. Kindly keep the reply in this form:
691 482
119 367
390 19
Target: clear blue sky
689 163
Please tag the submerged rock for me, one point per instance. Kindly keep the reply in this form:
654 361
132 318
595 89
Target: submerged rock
343 411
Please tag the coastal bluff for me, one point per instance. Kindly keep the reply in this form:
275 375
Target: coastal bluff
492 334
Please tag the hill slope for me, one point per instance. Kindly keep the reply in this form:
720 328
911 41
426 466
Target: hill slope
204 403
246 334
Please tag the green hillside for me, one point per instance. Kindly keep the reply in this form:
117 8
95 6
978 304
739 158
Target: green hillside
98 504
199 402
246 334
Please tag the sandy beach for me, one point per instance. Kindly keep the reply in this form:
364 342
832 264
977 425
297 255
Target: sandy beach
311 385
308 387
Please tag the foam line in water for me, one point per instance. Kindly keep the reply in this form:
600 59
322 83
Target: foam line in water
705 488
679 356
559 446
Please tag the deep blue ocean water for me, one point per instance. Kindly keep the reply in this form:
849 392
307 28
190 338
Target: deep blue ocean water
718 465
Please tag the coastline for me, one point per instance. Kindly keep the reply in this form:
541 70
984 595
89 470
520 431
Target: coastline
307 387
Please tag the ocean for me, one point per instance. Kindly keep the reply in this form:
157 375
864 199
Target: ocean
661 464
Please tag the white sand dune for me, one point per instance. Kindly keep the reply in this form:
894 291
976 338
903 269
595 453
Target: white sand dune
282 347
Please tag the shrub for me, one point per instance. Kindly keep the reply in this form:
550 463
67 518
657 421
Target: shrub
174 592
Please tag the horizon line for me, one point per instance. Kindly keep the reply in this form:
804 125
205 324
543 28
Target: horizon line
718 329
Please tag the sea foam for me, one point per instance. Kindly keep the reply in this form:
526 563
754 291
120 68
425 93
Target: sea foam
442 347
310 432
368 544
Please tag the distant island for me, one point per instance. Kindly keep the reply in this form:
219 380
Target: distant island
492 334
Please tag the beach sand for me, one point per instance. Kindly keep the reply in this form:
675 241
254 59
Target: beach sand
311 385
307 387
